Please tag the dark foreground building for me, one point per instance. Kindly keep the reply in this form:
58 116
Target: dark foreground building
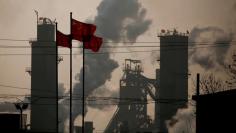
11 122
216 113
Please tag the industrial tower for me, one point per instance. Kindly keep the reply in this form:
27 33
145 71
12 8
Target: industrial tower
43 79
169 90
173 76
131 114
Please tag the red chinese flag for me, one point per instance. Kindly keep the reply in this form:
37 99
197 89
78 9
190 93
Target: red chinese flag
94 44
82 31
63 40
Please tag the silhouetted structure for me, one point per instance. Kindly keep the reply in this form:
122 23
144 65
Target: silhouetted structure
169 90
131 114
216 112
173 77
43 79
12 122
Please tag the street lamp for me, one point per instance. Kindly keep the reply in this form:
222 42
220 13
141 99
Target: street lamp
21 107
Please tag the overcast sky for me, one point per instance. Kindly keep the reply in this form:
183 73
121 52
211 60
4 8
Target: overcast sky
18 21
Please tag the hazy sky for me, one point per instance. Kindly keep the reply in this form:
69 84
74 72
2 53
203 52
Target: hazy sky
18 21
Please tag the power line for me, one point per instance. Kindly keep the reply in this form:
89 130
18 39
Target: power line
168 44
105 101
111 103
100 99
35 39
24 88
9 86
75 96
120 52
17 40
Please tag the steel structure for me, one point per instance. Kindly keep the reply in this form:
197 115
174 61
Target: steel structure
169 90
131 114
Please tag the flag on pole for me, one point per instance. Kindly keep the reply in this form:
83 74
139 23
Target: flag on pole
85 33
63 40
82 31
94 43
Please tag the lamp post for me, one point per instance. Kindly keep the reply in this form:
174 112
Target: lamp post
21 107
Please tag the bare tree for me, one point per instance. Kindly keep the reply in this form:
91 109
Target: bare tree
210 84
231 71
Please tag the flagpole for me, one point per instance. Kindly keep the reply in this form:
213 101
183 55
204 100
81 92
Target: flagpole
71 123
83 92
57 120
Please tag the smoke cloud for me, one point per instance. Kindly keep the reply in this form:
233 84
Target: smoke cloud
234 7
98 69
182 122
116 20
101 102
121 19
217 43
63 106
63 112
155 56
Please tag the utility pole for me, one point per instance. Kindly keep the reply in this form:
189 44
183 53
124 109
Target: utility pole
198 84
197 99
71 123
57 119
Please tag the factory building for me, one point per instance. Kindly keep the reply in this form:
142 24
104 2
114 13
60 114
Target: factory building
215 112
11 122
173 89
43 79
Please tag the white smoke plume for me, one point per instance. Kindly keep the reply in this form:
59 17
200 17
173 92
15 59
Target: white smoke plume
116 20
217 43
183 121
